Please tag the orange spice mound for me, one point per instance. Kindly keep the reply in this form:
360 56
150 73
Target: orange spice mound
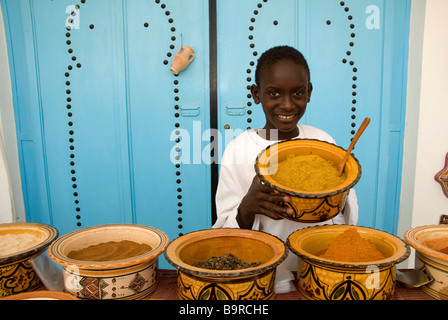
349 246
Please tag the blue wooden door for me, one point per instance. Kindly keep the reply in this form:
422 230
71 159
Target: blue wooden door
357 52
108 134
101 119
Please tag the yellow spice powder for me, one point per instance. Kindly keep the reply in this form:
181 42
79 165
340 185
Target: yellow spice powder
309 173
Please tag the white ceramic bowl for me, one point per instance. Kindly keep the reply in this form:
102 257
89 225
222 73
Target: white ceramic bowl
132 278
426 240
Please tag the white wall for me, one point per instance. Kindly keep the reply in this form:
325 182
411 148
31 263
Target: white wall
426 135
426 132
432 147
11 208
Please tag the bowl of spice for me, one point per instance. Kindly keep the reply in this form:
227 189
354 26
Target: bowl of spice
115 261
20 242
226 264
431 246
341 262
305 169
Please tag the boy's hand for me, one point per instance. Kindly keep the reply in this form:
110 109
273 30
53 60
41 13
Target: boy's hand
261 199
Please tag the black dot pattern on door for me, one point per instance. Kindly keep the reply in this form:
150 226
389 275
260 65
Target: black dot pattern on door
176 98
252 64
74 66
348 60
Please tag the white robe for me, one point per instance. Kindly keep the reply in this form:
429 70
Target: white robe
235 178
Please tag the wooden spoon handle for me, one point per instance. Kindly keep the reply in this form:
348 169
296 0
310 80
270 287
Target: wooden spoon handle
358 134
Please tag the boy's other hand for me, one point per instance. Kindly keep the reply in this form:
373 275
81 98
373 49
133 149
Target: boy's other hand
261 199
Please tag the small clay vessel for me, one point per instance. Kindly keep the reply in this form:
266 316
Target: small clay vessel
182 59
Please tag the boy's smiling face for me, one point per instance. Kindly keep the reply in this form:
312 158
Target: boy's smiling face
284 93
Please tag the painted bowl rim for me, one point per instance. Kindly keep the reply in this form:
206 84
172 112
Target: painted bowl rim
309 195
390 261
34 250
224 274
41 295
410 237
60 258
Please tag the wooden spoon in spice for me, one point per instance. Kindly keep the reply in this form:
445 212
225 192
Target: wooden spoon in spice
358 134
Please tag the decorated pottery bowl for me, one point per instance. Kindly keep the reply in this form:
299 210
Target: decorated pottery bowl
309 207
118 279
429 241
324 279
251 283
41 295
20 242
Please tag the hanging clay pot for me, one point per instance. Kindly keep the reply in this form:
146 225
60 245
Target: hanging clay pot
182 59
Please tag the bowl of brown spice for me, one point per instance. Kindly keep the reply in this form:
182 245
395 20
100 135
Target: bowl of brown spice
115 261
431 245
305 169
226 264
341 262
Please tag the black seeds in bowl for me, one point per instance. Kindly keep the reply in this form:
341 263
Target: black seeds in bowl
226 262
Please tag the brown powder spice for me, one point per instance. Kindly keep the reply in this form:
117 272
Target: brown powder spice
110 251
349 246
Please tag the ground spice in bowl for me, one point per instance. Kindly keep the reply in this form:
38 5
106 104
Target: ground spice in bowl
110 251
12 243
225 262
437 244
310 173
349 246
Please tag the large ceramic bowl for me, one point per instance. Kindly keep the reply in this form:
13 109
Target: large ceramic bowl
427 241
254 283
309 207
323 279
131 278
41 295
20 242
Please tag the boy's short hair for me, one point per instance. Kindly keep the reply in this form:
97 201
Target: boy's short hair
276 54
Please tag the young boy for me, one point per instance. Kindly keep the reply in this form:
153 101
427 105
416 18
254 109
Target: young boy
283 87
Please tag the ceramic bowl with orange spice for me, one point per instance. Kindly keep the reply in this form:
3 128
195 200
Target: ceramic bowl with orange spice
431 245
120 277
309 206
335 278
